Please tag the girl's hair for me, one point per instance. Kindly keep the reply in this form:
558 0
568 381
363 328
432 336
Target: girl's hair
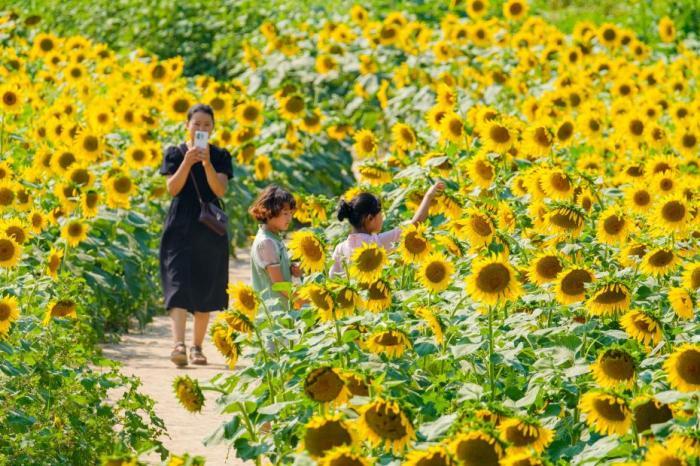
359 208
270 203
204 108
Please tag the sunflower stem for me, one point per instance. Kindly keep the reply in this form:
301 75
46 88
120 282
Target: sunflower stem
249 427
2 133
266 359
492 382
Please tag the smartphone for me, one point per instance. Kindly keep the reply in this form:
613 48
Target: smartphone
201 139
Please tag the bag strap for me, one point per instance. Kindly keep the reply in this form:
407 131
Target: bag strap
196 188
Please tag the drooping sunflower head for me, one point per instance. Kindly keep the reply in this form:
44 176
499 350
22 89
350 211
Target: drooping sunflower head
642 326
368 262
432 320
659 262
681 302
245 299
306 247
524 434
378 296
343 456
188 393
383 422
392 343
321 299
60 308
476 448
683 368
605 413
435 455
224 338
571 283
325 385
609 299
8 313
649 411
565 220
614 368
322 434
493 280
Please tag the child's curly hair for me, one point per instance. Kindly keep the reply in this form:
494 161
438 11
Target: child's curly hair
270 203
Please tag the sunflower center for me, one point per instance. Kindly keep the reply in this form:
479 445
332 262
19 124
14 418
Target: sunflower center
247 299
46 45
321 298
312 251
559 182
370 260
477 6
688 366
493 278
610 295
480 226
520 435
499 134
477 452
484 169
385 423
9 98
689 141
542 138
294 104
661 258
181 105
66 159
122 185
618 365
613 224
251 113
565 131
673 211
5 311
573 283
641 198
54 262
6 196
695 278
414 243
323 385
566 219
548 267
387 339
650 413
367 144
80 176
377 291
636 127
330 434
609 409
7 249
17 233
436 272
455 127
515 9
62 308
75 230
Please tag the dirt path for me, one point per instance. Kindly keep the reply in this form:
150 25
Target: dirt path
146 356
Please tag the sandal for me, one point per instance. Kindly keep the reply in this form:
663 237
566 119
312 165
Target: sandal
197 357
179 355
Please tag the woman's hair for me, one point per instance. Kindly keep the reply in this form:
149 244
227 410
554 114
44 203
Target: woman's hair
270 203
359 208
204 108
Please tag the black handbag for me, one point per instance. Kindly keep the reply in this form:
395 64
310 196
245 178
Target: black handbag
210 214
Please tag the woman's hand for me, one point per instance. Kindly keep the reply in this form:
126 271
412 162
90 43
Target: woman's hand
296 270
193 156
205 156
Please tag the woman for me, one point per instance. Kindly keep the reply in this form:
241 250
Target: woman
193 258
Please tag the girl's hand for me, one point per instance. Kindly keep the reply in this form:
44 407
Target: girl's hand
296 270
436 189
192 156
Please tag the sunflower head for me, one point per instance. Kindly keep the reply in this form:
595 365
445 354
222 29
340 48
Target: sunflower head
436 272
392 343
368 262
188 393
614 368
609 299
476 448
306 247
683 368
523 434
326 385
382 422
245 299
323 434
493 280
606 413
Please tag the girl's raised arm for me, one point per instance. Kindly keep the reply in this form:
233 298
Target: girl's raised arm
422 212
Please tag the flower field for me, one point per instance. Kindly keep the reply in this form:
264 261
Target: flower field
544 314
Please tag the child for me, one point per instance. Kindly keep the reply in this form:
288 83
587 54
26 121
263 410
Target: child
269 260
364 212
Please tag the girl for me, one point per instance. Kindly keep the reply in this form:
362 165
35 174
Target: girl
364 212
269 260
193 259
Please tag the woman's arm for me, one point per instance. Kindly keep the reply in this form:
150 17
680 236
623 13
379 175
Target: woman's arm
218 182
422 212
177 180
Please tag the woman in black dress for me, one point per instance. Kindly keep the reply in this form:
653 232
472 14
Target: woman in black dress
193 258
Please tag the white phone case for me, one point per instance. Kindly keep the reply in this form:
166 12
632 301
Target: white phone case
201 139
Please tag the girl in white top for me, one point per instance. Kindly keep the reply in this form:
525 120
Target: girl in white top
364 212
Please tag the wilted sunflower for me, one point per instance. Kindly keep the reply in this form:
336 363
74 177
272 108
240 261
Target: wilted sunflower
393 343
324 433
681 302
613 227
414 246
435 455
609 299
374 174
343 456
8 313
659 261
565 220
683 368
570 284
383 423
365 143
325 385
605 413
436 272
60 308
525 434
224 338
545 267
245 299
641 326
188 393
662 455
614 368
368 262
649 411
378 296
476 448
74 232
493 280
306 247
321 299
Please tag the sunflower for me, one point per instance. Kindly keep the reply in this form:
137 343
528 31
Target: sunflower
477 8
74 232
613 227
477 227
639 198
249 113
515 9
292 107
614 368
374 174
393 343
343 456
434 117
524 434
322 300
16 229
188 393
545 267
8 313
672 214
263 167
663 455
667 30
245 299
606 414
476 448
367 262
556 184
10 99
10 252
609 299
382 422
90 203
322 434
521 459
481 171
236 321
404 136
306 247
658 262
565 220
224 338
89 144
436 272
53 262
435 455
691 276
686 141
493 280
681 303
641 326
452 128
433 321
570 284
498 137
60 308
413 246
683 368
538 141
365 143
325 385
649 411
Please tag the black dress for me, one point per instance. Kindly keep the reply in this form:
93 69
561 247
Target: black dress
193 258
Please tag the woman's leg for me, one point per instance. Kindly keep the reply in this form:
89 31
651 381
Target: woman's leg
178 318
201 320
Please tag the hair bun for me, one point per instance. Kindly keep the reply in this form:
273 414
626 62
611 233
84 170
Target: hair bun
344 210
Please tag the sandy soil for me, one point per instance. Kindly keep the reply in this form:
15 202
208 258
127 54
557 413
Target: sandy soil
146 356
